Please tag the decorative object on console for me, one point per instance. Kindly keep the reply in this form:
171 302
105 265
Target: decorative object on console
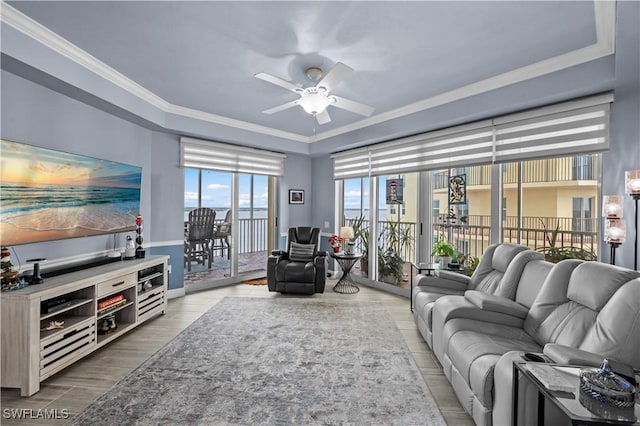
53 325
346 233
606 386
632 187
614 234
139 249
129 249
9 277
36 278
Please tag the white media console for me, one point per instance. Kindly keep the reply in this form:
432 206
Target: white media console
134 290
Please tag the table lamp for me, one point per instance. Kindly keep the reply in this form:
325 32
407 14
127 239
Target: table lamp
346 233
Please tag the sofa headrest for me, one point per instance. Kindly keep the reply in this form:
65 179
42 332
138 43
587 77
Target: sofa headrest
593 283
504 254
531 280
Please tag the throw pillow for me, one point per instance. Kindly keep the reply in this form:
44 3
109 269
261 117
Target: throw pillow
301 252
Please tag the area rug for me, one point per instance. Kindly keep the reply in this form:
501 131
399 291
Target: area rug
257 281
275 361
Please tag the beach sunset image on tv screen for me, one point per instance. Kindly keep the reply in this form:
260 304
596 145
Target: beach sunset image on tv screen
50 195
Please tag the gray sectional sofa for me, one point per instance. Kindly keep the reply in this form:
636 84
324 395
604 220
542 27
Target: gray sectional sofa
573 312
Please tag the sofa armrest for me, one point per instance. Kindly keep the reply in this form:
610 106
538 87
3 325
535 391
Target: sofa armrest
277 252
321 253
562 354
490 302
459 283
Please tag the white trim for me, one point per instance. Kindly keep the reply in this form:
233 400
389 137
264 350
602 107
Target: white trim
164 243
174 293
605 27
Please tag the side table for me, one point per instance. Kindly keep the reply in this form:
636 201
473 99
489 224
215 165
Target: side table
345 284
566 408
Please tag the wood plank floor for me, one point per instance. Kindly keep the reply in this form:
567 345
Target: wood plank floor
77 386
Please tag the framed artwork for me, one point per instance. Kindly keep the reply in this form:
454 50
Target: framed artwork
458 189
296 196
395 189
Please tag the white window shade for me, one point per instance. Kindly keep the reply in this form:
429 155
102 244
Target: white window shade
463 145
578 131
202 154
472 147
569 128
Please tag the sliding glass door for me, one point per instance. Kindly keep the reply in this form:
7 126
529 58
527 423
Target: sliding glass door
237 245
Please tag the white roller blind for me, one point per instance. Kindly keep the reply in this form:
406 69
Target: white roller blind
569 128
463 145
577 131
202 154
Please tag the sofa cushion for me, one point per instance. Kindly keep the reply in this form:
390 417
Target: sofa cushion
301 252
592 284
473 354
289 271
504 254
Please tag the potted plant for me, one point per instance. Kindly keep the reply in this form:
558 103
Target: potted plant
361 232
390 266
335 241
444 251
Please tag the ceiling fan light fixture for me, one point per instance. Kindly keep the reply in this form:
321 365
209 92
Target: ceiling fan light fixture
314 102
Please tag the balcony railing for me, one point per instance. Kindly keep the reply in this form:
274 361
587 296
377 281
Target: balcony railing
472 238
583 167
253 234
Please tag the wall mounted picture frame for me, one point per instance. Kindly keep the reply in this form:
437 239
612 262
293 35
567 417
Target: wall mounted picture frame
296 196
458 189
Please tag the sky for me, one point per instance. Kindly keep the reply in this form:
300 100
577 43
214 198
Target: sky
216 189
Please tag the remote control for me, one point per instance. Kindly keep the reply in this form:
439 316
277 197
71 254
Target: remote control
550 378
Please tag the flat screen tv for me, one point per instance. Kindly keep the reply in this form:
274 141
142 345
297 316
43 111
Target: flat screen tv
50 195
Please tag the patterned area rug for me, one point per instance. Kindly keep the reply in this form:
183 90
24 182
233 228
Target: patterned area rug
275 361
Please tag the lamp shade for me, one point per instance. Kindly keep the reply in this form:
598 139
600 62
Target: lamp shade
612 206
632 182
346 232
614 231
314 103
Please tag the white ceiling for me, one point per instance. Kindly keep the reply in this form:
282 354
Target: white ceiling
199 58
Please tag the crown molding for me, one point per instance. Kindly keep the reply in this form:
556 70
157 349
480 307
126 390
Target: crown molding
605 23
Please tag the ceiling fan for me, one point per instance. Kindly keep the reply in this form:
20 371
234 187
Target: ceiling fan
315 99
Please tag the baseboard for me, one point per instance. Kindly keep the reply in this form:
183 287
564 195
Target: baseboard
174 293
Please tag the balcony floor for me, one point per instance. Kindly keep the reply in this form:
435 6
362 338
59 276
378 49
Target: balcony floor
247 263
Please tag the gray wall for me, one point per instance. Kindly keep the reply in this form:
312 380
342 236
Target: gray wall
323 189
625 123
38 116
297 175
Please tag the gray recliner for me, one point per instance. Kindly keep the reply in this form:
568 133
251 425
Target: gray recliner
584 312
302 268
498 273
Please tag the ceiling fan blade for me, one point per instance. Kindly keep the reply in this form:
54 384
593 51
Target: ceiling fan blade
335 76
353 106
278 82
323 117
281 107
